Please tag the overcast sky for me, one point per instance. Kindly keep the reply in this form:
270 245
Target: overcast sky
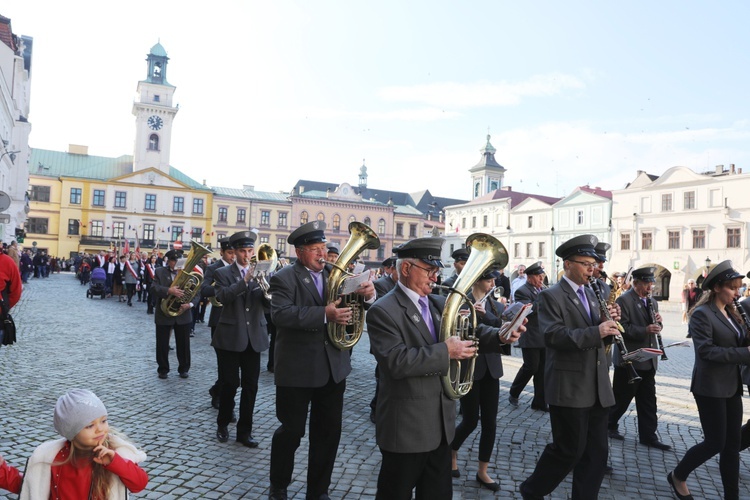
274 91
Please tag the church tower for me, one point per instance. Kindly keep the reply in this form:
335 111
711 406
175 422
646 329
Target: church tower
154 114
487 175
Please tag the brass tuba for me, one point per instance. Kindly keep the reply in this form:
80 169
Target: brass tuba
486 252
187 280
362 238
265 253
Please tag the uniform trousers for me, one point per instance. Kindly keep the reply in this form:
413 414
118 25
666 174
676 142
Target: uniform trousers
428 472
182 343
721 419
326 405
533 366
644 392
271 341
482 398
579 443
231 365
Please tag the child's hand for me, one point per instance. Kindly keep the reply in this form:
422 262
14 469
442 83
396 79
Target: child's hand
103 455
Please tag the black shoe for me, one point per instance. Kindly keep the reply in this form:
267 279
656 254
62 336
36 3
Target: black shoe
455 472
277 493
513 400
493 486
614 434
130 304
222 434
184 375
162 375
674 488
247 441
657 444
214 393
324 496
543 407
372 416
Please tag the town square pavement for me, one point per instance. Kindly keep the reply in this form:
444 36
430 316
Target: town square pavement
67 340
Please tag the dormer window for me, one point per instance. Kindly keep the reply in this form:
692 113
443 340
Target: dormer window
157 98
153 142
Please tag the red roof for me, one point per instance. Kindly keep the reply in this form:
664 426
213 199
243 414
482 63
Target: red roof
597 191
6 33
516 197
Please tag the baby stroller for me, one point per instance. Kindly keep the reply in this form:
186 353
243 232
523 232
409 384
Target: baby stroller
97 285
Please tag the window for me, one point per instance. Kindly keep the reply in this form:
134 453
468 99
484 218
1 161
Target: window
579 217
197 205
624 241
118 230
699 238
400 229
476 190
689 200
473 222
516 249
463 222
39 193
75 196
98 198
178 204
157 97
283 223
153 142
97 228
381 252
223 214
733 237
303 217
412 230
197 234
530 222
666 202
121 198
176 233
241 215
542 249
265 217
494 185
322 217
528 250
484 221
148 232
367 222
674 240
646 240
280 244
263 238
73 227
37 225
352 219
381 227
150 204
336 223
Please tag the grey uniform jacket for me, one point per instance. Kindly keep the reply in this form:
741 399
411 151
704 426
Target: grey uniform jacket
718 353
242 320
208 290
533 337
576 372
159 288
413 413
383 285
304 357
634 319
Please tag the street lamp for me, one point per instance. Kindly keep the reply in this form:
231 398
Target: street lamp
708 264
11 154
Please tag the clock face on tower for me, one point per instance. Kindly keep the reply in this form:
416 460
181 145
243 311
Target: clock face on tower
154 122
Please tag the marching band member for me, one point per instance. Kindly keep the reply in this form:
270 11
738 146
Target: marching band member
308 370
460 256
720 344
639 332
382 286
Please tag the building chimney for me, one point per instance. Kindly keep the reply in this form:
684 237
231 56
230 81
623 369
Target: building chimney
731 168
76 149
719 169
739 170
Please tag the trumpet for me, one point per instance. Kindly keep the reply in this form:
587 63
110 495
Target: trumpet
634 377
496 292
264 263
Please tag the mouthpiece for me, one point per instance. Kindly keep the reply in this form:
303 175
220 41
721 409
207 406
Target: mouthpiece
321 261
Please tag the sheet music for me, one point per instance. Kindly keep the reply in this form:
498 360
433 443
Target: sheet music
263 266
517 321
351 283
681 343
643 354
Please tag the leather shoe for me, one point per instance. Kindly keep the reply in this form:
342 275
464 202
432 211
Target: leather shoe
493 486
222 434
372 416
512 400
184 375
674 488
657 444
614 434
247 441
277 494
214 393
162 375
455 472
543 408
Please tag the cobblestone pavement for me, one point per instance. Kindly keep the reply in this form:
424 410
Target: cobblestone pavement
67 340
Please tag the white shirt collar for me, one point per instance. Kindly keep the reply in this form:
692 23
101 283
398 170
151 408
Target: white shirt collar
413 296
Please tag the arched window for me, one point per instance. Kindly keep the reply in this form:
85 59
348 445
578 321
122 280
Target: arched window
336 222
303 218
367 222
321 216
352 219
476 190
381 227
153 142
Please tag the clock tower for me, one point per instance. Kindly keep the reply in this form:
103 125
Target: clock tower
154 114
487 175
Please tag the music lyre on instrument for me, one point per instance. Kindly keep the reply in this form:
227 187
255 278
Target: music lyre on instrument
652 315
628 365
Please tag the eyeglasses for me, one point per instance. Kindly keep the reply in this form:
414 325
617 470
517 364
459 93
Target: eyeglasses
589 265
431 273
314 249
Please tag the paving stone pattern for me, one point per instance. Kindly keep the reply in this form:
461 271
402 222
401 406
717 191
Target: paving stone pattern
68 340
